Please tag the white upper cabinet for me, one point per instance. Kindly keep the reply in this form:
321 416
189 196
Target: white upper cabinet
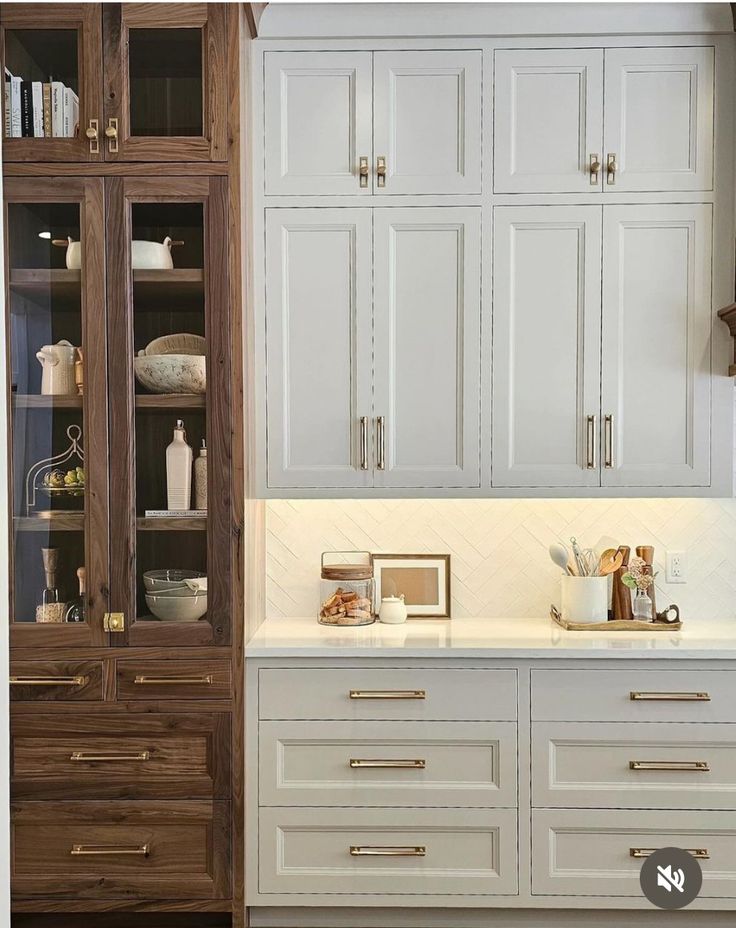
427 121
317 122
659 118
548 120
546 346
656 345
427 347
318 328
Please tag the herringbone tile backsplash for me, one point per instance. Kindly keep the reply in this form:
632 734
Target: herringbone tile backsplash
500 566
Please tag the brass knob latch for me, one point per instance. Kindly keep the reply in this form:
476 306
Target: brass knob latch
381 170
594 168
363 172
93 134
111 134
114 622
611 169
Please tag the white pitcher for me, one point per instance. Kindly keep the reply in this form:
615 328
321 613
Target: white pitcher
57 362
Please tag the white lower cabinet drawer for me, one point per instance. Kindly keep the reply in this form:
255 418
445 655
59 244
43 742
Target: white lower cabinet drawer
657 765
388 851
460 764
579 852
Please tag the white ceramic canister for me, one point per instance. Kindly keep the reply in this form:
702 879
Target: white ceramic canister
393 610
57 362
584 599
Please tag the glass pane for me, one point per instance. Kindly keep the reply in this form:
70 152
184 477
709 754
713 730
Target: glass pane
41 83
166 89
169 339
48 469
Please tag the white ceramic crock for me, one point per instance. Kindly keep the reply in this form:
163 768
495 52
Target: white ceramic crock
393 610
149 256
57 363
584 599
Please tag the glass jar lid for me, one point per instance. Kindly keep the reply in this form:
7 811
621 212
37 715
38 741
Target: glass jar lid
345 571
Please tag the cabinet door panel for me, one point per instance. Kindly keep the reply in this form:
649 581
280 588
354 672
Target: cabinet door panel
426 108
546 345
318 121
659 118
427 346
548 119
656 344
318 320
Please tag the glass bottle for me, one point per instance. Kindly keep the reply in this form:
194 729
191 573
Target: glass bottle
51 608
642 606
200 478
75 608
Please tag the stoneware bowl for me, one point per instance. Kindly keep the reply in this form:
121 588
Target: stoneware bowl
171 373
177 608
177 592
155 581
179 343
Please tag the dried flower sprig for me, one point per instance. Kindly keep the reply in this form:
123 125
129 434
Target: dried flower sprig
638 577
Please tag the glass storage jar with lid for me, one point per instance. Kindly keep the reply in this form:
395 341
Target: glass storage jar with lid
346 589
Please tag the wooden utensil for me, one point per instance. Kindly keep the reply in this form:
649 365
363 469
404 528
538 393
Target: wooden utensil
609 562
621 594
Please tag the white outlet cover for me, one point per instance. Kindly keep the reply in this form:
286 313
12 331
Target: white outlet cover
676 567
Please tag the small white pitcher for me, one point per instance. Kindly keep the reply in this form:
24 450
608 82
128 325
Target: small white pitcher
57 362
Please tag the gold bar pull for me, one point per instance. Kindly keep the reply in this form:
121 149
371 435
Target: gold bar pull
374 851
364 442
90 758
590 461
381 170
78 680
669 697
608 441
363 172
700 853
701 766
93 134
388 764
142 680
611 169
388 694
594 166
110 850
381 440
111 134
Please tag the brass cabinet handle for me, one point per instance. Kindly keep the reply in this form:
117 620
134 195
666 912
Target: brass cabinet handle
388 694
89 758
381 439
111 134
590 457
669 697
375 851
700 853
388 764
611 168
114 622
594 166
93 134
142 680
701 766
110 850
364 442
608 441
78 680
381 170
363 172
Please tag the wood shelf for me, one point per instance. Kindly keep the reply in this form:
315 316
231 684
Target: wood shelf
166 401
39 285
58 522
36 401
195 524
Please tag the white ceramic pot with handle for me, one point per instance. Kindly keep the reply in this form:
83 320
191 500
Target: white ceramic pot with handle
57 363
145 256
393 610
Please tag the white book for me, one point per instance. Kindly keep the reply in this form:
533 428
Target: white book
37 96
75 114
57 109
15 108
176 513
6 104
67 113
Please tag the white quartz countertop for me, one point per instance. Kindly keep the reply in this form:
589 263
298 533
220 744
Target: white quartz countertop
483 638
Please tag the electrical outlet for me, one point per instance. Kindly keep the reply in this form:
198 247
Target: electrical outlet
675 567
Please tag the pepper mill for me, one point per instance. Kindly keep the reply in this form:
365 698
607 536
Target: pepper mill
646 553
621 593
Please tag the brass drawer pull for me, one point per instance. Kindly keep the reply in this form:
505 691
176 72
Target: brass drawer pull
388 764
89 758
78 680
364 442
388 694
142 680
699 853
590 436
700 766
110 850
370 851
670 697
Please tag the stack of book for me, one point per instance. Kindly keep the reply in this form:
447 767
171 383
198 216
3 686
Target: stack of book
34 109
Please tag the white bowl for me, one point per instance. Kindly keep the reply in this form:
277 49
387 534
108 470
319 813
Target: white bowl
177 608
155 581
171 373
179 343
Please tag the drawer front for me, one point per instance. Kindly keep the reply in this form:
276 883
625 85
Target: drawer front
471 764
176 679
633 696
387 851
111 757
101 850
362 693
588 853
655 765
57 681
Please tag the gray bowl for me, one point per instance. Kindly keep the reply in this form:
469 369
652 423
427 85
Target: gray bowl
155 581
177 608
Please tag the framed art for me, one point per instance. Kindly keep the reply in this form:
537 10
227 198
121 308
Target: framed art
422 579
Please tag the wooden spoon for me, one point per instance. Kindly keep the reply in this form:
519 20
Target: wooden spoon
609 562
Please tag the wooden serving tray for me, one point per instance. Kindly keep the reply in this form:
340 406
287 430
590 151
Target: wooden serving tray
618 625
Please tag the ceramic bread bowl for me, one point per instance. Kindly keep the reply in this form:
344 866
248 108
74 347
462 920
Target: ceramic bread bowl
171 373
180 343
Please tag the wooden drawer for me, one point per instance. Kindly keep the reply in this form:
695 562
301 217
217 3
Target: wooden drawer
59 681
464 852
364 693
114 757
633 695
578 852
175 679
112 850
656 765
387 764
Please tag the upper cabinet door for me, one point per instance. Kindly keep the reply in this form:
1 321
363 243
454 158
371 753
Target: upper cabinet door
659 119
165 82
318 122
546 346
656 345
548 123
59 42
318 350
427 347
427 122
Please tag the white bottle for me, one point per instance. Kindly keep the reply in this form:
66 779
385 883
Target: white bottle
200 478
179 470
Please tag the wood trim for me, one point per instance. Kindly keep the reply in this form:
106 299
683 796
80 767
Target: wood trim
111 168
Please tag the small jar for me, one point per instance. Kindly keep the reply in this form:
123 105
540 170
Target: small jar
346 592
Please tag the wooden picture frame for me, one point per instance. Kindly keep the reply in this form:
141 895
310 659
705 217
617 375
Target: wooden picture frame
425 583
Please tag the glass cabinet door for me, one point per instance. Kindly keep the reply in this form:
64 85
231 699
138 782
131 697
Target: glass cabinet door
52 100
56 343
165 82
169 409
